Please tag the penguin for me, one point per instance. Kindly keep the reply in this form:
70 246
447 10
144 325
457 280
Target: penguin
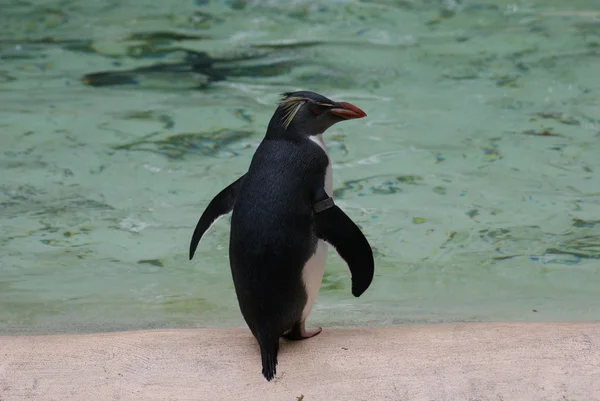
283 218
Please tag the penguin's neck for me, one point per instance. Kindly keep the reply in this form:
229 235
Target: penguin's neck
318 139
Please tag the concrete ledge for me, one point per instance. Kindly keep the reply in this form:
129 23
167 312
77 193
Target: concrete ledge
475 361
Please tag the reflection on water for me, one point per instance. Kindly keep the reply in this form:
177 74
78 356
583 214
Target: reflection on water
475 175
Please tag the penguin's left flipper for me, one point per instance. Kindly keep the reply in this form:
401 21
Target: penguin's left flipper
336 228
220 205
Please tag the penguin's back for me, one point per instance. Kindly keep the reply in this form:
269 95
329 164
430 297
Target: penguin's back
272 232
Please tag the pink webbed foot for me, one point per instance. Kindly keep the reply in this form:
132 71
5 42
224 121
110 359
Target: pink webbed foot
299 332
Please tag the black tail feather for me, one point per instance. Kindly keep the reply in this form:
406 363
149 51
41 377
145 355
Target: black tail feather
268 352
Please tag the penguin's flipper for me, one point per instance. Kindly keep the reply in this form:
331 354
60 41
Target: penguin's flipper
220 205
336 228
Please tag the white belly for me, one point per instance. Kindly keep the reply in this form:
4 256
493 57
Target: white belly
312 275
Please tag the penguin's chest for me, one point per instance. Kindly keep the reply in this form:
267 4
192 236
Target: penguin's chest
312 274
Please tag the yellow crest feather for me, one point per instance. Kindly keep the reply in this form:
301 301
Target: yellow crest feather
291 105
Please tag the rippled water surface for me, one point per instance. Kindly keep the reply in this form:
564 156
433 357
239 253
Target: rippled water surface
475 176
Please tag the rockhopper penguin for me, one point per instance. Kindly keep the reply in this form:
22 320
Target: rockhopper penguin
283 217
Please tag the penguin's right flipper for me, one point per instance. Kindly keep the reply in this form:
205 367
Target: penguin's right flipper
220 205
335 227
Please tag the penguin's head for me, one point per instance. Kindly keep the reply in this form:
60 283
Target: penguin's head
307 113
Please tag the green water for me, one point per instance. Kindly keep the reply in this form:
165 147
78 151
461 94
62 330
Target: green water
475 176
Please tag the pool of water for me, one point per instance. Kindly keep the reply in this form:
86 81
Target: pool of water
475 176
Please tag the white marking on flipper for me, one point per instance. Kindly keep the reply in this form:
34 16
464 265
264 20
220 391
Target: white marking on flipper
312 274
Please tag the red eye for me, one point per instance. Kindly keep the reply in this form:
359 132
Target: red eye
316 110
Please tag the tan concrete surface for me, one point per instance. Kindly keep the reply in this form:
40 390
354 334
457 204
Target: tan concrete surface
482 361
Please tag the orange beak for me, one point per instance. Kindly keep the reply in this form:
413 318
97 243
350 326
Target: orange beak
347 111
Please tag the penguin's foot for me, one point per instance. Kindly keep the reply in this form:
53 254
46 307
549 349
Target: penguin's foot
299 332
